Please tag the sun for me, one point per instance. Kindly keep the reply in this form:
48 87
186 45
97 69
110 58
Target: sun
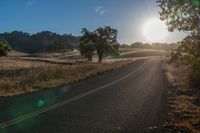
155 30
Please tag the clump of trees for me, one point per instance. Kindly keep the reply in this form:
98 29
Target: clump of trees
44 41
102 40
4 48
184 15
156 46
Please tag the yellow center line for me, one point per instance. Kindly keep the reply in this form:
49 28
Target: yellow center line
51 107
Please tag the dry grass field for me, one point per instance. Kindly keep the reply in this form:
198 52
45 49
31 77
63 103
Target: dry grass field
22 73
184 102
26 74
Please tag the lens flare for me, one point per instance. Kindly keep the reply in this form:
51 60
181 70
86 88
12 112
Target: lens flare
40 103
155 30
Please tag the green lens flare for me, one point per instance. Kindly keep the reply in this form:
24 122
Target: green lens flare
40 103
19 110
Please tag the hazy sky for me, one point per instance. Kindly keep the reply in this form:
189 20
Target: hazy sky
69 16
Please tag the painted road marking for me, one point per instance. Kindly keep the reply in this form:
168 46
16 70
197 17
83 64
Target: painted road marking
51 107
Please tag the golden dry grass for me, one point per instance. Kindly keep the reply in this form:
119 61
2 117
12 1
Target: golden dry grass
39 75
183 112
178 75
8 63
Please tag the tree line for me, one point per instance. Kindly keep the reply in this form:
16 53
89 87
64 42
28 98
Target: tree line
102 41
44 41
156 46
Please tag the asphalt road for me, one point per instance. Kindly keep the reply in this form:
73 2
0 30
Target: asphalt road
128 100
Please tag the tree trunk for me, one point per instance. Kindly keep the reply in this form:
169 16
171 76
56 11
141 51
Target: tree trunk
89 59
100 54
100 58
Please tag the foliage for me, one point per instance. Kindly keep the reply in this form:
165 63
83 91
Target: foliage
157 46
86 45
4 48
103 40
189 53
181 14
44 41
114 50
184 15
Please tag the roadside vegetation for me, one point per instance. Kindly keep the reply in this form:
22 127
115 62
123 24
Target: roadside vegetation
4 48
183 99
32 76
183 66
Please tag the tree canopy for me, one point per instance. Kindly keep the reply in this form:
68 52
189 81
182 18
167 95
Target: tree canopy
102 40
183 15
86 45
44 41
4 48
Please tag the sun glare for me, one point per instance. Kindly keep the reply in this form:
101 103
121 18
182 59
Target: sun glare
155 30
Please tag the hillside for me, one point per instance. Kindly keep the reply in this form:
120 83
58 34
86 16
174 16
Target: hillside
44 41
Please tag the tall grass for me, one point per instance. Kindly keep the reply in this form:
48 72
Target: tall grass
49 76
184 103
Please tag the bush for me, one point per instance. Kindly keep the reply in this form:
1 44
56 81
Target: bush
189 53
4 48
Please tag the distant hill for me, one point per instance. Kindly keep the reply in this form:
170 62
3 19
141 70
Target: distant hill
44 41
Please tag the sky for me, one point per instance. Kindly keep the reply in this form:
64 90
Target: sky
70 16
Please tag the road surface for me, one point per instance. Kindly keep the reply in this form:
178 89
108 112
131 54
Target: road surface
128 100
